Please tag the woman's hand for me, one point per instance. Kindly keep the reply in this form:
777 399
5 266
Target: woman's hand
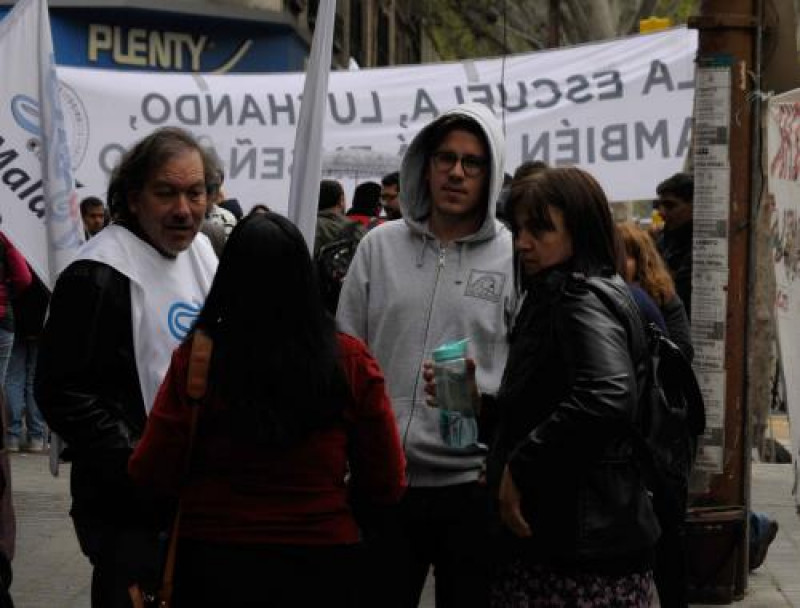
511 506
430 384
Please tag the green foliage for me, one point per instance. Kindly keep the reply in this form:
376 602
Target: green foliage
678 10
461 29
453 36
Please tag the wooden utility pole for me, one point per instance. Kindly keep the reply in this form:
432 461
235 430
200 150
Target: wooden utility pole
728 31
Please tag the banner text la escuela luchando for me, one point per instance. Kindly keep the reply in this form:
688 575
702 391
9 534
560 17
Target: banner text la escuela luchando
620 109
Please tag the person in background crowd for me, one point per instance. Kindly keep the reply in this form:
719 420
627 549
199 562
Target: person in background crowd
443 273
217 214
259 208
645 267
675 204
232 205
529 167
216 235
8 520
93 213
16 278
332 224
116 314
577 525
366 205
521 171
293 409
29 311
390 196
502 198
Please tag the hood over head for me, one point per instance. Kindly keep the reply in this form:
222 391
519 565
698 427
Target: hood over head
414 192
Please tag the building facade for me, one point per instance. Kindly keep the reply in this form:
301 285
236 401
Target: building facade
226 36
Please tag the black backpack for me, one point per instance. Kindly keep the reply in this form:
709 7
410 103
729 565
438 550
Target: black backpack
333 261
671 418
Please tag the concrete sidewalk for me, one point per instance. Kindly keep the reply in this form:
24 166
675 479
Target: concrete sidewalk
49 569
777 581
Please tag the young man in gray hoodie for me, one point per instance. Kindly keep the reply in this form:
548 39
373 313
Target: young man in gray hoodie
442 273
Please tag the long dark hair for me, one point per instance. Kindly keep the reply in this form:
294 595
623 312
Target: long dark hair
275 351
587 215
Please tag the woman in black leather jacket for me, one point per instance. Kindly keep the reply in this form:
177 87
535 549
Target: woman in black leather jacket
576 525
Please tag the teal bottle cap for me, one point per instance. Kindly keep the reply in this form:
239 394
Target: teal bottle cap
451 350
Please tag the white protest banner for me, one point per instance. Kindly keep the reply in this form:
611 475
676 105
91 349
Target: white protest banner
38 201
783 155
304 188
620 109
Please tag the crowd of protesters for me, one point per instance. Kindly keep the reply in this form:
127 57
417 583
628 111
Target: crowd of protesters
207 394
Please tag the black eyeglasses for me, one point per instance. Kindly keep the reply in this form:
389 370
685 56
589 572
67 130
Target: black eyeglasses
473 166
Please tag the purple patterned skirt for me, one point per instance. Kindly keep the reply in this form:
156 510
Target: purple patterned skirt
520 584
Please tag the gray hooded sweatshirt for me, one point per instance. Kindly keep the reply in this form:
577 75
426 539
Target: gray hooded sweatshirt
406 294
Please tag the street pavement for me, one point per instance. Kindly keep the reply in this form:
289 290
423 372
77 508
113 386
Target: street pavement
49 570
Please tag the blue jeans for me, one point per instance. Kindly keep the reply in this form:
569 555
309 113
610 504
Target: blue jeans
19 390
6 343
759 522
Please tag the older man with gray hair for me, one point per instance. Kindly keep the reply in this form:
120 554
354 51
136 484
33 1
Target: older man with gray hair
116 314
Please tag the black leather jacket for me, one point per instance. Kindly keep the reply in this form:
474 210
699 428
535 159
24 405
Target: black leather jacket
567 402
86 384
87 387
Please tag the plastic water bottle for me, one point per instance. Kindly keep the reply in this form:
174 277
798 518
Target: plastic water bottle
457 423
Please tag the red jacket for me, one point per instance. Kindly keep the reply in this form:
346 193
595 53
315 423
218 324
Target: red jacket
247 494
368 221
17 274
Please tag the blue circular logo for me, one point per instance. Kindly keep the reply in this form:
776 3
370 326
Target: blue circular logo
181 317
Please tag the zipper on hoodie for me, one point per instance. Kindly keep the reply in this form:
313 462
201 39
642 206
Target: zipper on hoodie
439 266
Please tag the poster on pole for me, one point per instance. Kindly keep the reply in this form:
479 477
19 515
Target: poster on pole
783 156
712 179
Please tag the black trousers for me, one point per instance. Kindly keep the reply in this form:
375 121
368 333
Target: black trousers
264 576
444 527
118 527
120 556
670 568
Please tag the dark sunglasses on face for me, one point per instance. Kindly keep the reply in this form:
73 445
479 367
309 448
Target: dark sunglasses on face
473 166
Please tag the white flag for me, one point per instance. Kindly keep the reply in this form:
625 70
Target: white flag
307 163
38 202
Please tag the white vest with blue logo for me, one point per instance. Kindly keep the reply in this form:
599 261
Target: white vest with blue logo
166 295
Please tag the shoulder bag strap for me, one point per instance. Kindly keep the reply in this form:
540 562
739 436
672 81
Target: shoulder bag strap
196 385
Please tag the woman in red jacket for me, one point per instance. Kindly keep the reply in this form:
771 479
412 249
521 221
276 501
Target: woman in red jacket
294 430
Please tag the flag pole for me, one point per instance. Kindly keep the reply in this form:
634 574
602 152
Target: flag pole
62 217
307 162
